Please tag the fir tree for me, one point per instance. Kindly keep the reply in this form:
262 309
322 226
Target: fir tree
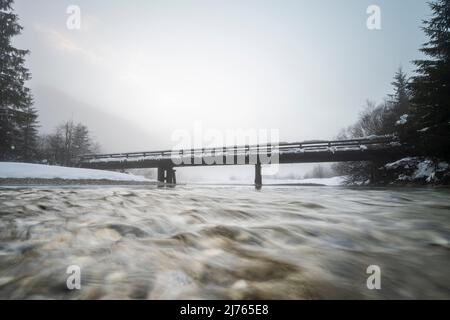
17 117
398 103
27 146
428 126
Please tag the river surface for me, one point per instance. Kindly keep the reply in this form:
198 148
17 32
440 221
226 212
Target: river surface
224 242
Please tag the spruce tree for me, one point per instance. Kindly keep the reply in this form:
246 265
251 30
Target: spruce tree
428 126
27 145
17 117
398 103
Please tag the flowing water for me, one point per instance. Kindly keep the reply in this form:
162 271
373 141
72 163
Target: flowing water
216 242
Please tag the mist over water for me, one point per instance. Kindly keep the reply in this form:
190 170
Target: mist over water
214 242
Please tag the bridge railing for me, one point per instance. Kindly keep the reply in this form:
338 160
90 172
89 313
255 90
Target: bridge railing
306 146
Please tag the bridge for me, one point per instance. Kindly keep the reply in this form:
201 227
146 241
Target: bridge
364 149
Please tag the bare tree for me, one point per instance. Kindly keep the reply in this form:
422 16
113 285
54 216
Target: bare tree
67 143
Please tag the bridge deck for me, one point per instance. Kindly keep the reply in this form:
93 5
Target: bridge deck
304 152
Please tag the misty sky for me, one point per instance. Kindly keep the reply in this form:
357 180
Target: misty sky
303 67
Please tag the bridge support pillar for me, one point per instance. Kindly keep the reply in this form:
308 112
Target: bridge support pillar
170 176
258 176
166 175
161 173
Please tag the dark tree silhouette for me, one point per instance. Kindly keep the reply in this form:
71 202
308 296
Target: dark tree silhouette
428 126
17 116
398 103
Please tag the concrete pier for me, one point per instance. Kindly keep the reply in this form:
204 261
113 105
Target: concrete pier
258 176
167 175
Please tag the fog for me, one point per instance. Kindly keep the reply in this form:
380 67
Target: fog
137 71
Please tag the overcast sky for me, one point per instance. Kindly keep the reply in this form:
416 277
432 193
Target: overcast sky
303 67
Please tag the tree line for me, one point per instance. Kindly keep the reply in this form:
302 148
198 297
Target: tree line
65 144
19 135
417 111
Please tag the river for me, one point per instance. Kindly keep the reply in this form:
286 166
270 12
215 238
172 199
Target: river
224 242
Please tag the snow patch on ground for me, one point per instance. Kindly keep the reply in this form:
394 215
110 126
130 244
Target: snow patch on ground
334 181
403 120
405 162
425 169
19 170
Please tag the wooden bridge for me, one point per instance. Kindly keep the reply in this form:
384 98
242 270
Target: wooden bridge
366 149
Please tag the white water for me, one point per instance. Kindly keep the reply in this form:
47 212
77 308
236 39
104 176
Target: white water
213 242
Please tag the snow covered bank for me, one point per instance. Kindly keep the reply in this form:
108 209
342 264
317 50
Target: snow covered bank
19 170
334 181
416 169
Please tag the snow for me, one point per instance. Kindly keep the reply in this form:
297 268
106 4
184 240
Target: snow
443 166
423 168
374 137
334 181
123 159
295 150
40 171
403 120
332 149
401 162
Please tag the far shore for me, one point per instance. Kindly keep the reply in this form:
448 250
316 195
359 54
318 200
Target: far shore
62 182
13 182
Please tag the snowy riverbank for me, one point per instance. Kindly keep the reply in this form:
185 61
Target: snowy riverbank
38 172
334 181
417 170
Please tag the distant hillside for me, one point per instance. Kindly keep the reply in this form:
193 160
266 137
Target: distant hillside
113 133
